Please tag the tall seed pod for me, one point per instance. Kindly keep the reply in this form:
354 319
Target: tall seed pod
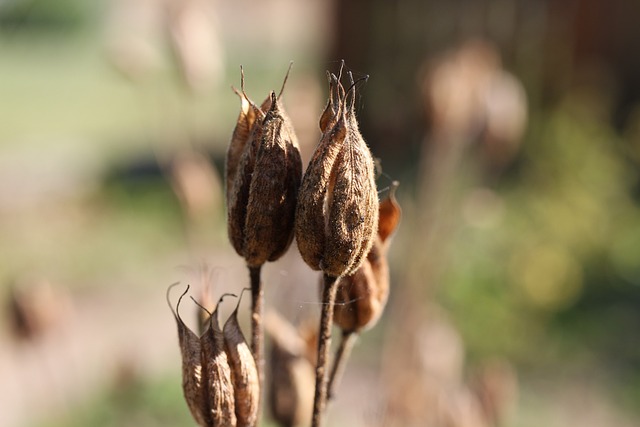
337 211
337 214
206 375
244 373
261 202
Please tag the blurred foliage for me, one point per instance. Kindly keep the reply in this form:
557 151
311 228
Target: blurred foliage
44 17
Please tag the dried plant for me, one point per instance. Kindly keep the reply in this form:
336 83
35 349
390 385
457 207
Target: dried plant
206 374
337 213
334 213
263 173
244 372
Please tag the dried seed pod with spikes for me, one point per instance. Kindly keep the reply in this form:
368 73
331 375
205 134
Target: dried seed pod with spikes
244 373
337 215
337 211
263 196
206 375
217 372
192 375
240 136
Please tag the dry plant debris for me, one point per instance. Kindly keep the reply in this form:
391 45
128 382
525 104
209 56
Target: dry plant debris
333 211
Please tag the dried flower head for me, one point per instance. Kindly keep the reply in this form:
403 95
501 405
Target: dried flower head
244 373
206 375
262 198
337 211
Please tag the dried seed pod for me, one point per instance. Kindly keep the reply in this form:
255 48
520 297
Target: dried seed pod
337 212
206 375
192 376
217 375
244 373
263 199
240 136
362 295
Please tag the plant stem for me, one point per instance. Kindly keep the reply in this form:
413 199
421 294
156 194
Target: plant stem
347 342
324 345
257 327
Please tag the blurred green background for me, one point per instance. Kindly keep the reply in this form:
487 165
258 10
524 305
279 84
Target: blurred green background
512 127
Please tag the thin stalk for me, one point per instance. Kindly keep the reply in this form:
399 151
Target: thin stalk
329 291
257 327
347 342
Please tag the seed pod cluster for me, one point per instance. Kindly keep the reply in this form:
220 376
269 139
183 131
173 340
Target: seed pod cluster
361 296
263 175
219 375
337 212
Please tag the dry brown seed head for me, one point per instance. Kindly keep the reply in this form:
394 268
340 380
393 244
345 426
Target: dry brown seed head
192 376
217 375
206 375
362 296
351 207
337 211
244 373
240 136
270 211
261 206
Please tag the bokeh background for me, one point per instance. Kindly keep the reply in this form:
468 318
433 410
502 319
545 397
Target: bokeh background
512 126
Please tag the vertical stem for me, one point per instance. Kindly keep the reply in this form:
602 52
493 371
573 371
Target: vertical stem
257 327
324 345
347 342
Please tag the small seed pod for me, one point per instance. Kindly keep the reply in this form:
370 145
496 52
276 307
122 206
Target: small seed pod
362 296
217 373
263 199
337 212
240 136
244 373
192 376
206 375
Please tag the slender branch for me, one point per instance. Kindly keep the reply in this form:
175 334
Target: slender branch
257 327
347 342
329 291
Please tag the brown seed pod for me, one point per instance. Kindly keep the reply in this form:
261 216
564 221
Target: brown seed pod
244 373
262 204
192 376
217 375
240 136
337 212
206 375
